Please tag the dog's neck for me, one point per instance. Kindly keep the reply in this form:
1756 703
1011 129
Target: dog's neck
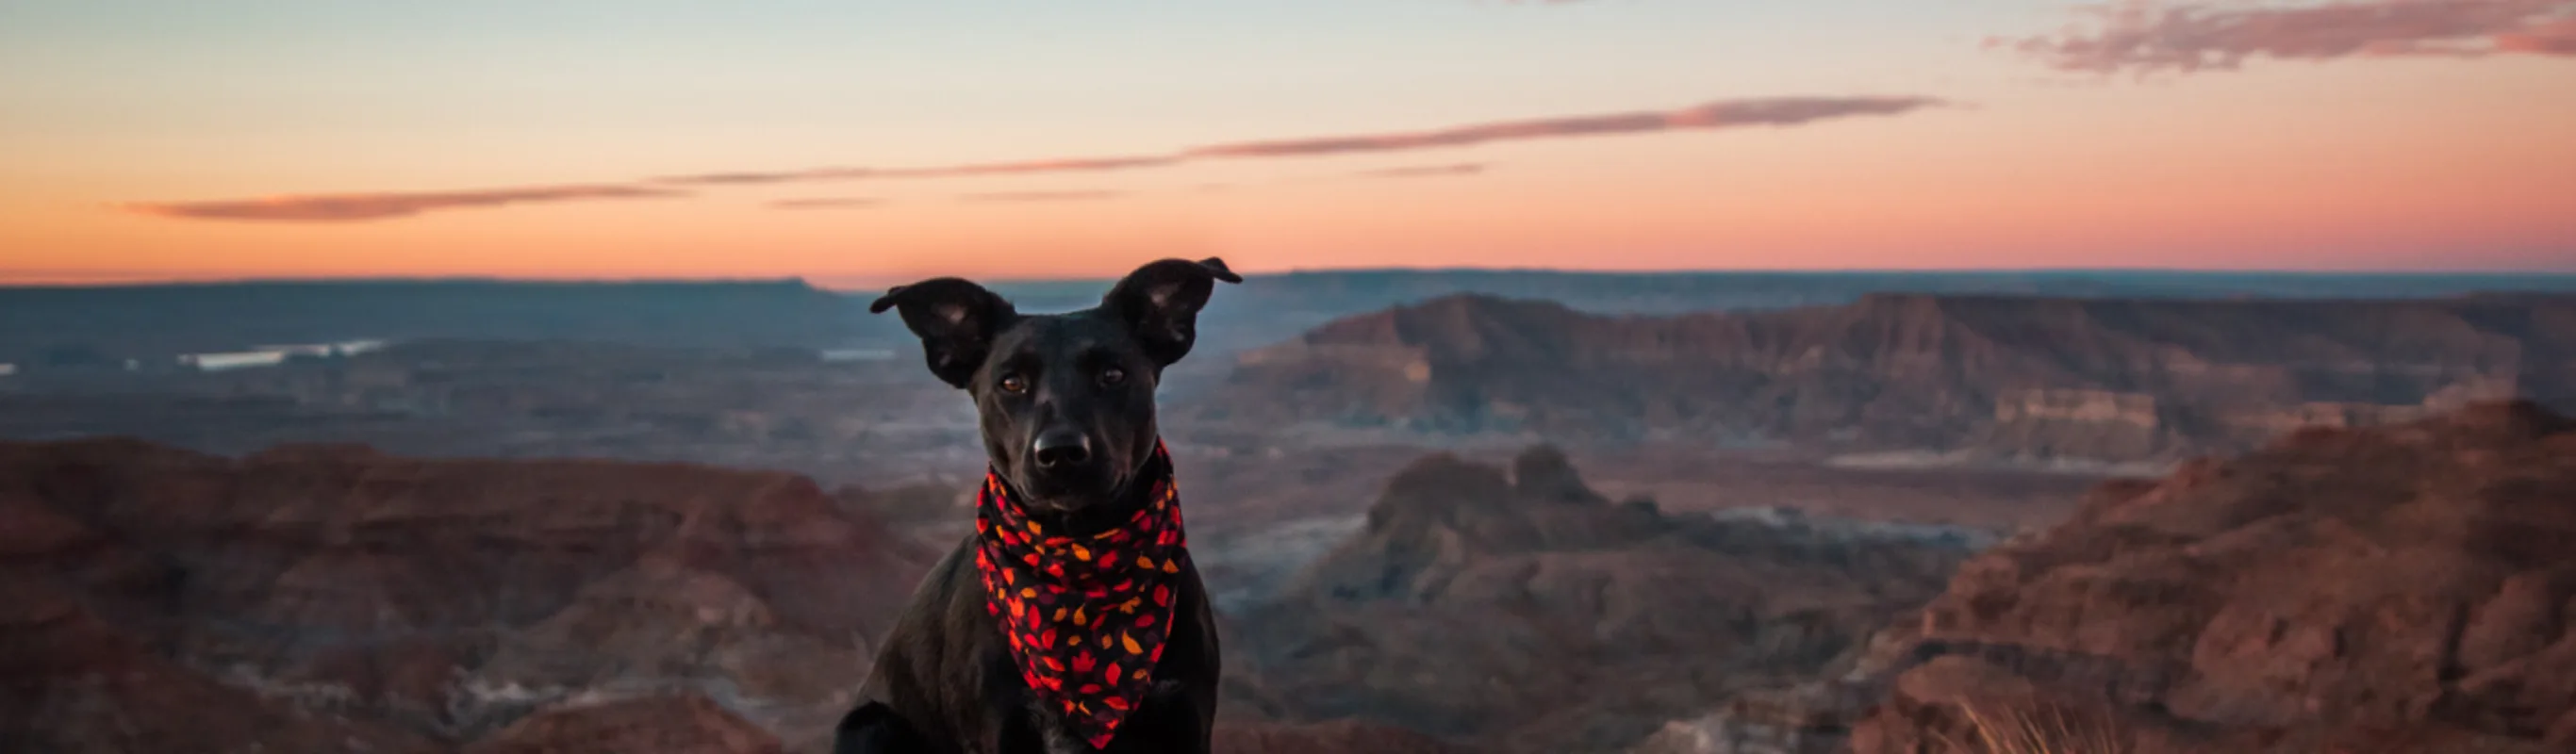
1130 497
1086 613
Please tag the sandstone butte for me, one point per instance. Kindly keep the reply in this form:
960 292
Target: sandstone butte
2409 588
1519 610
1998 378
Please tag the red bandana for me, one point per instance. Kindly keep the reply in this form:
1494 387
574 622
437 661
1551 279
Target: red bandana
1086 616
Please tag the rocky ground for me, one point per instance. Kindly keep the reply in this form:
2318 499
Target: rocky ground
2401 589
331 593
2405 585
1520 610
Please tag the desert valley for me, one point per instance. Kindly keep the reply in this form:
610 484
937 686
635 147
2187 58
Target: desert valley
1439 511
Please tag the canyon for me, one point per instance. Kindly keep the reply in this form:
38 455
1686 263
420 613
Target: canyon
1906 379
1826 520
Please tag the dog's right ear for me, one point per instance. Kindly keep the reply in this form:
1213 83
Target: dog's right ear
956 320
1160 303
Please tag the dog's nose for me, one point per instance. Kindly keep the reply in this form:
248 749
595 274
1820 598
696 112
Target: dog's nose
1062 448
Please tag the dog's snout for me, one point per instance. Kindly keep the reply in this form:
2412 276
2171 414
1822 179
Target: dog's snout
1058 449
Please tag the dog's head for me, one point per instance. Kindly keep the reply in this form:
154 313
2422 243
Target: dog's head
1067 400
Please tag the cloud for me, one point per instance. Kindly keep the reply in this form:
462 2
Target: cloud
379 206
1424 171
1078 165
1782 111
1039 196
826 203
2553 38
2146 36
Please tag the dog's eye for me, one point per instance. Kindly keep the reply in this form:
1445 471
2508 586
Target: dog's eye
1015 384
1112 376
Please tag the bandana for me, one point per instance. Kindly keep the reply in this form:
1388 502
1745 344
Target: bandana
1086 616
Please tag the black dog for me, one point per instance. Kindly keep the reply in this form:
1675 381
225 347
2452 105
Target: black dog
1067 406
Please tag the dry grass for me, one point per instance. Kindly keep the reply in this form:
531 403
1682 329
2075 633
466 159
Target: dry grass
2052 730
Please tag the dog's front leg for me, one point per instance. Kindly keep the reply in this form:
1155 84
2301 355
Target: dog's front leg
1030 730
874 728
1169 720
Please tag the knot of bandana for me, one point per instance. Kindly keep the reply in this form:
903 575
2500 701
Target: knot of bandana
1086 616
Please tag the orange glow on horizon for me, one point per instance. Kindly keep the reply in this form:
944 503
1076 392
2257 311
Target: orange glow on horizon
2358 164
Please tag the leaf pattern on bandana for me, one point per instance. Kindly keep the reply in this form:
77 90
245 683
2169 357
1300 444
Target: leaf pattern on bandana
1086 617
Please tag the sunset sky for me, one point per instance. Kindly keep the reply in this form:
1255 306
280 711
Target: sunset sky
854 142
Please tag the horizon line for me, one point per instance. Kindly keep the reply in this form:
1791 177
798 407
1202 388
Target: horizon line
111 280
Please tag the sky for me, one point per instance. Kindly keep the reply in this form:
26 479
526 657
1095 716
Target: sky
856 142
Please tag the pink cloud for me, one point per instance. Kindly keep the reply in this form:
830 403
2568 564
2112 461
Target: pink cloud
1078 165
2553 38
379 206
2145 35
1425 171
1783 111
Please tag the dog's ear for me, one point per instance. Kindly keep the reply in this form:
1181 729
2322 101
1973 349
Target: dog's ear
956 320
1160 303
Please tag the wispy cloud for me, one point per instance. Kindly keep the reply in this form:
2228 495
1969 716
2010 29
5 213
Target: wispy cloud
1781 111
378 206
826 203
1425 171
1076 165
1039 196
2145 36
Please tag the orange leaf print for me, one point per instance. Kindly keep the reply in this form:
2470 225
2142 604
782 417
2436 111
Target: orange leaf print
1130 642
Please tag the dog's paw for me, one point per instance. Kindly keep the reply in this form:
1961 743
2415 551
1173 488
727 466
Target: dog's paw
874 728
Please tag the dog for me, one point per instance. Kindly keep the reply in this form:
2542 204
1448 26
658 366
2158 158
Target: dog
1038 634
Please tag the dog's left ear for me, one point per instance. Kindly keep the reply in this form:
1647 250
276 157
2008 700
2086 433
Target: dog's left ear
956 320
1160 303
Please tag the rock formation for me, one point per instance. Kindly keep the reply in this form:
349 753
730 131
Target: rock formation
1993 377
1521 611
307 597
2411 588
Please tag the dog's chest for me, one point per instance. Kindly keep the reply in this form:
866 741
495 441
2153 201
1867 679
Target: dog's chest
1148 730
